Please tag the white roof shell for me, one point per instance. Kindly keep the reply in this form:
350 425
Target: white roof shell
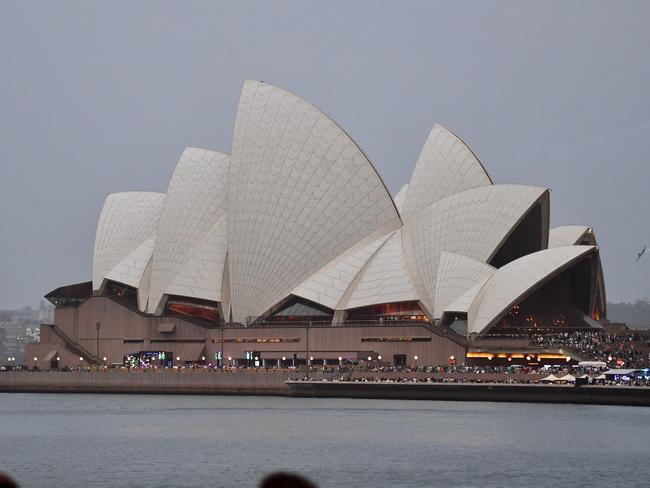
473 223
463 303
400 197
445 166
457 274
516 280
196 202
384 279
125 233
328 285
301 194
568 235
130 270
202 274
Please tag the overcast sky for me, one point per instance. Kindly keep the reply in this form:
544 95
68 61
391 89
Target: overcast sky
97 97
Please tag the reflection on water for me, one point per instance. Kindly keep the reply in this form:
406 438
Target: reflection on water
173 441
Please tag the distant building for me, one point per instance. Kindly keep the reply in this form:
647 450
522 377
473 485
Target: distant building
291 248
45 312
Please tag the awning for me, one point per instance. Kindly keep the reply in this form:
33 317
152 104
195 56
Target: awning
592 364
167 327
611 372
569 378
51 355
550 377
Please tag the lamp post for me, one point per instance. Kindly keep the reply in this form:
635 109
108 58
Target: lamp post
223 326
307 348
35 362
98 326
415 358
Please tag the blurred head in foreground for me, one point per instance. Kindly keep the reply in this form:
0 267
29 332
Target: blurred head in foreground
6 481
286 480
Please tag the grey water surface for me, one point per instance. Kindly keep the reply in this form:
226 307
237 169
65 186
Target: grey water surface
214 441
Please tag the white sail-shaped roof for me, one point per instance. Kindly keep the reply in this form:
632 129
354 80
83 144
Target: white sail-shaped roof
301 193
569 235
464 302
456 275
385 279
516 280
197 199
328 285
128 221
143 289
202 274
400 197
473 223
445 166
130 270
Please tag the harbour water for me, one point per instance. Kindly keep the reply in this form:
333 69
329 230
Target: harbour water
227 441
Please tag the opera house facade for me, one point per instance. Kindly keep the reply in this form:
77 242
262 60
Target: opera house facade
290 249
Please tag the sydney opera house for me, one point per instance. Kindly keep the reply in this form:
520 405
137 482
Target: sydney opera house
291 249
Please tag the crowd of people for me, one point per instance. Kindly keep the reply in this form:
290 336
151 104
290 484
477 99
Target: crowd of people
629 349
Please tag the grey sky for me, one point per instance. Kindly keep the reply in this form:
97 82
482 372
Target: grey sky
97 97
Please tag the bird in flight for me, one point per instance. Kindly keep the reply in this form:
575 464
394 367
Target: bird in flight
638 256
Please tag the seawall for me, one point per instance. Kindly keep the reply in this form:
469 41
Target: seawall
486 392
183 382
278 383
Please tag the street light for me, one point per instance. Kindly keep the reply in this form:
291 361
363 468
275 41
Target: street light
416 360
98 326
379 358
